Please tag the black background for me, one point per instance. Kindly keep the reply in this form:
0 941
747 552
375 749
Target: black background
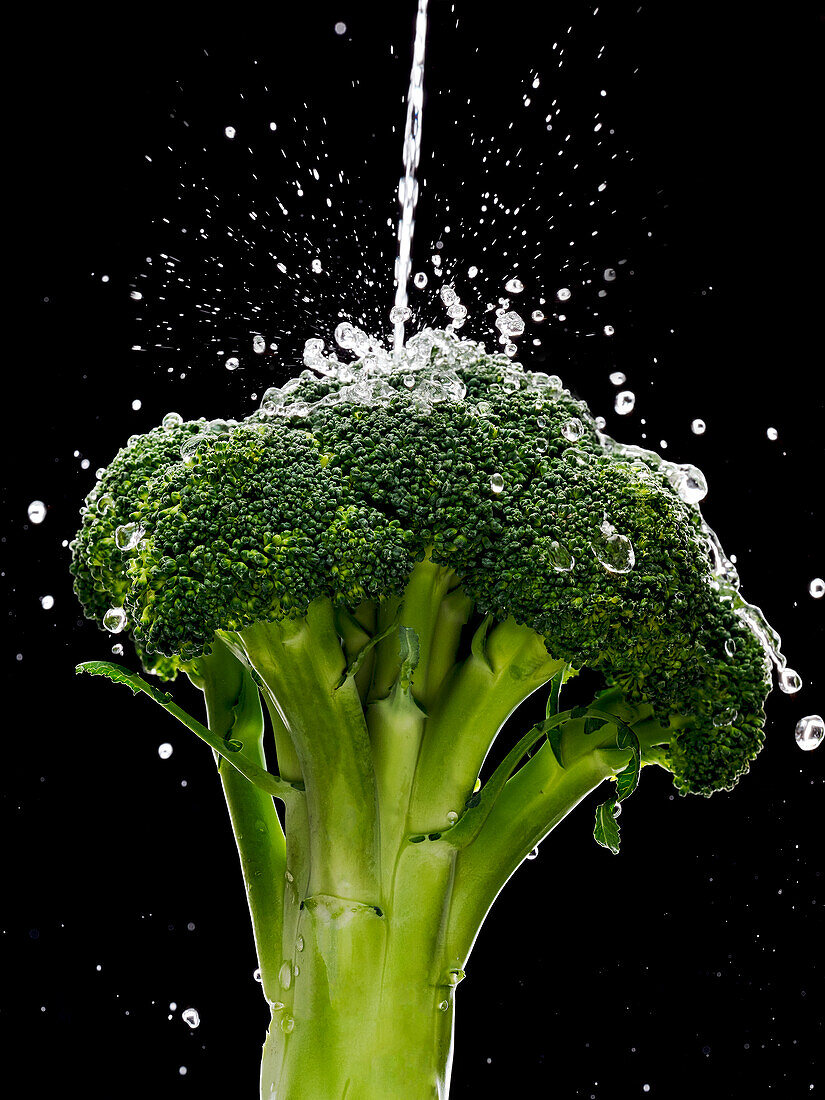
692 961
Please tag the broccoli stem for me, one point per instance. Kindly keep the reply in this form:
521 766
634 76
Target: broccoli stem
233 707
300 663
475 702
537 797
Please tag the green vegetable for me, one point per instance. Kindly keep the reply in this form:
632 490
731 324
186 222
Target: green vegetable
394 569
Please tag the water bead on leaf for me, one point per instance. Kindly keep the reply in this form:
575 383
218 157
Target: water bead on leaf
810 732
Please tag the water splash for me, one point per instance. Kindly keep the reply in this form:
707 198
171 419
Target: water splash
408 185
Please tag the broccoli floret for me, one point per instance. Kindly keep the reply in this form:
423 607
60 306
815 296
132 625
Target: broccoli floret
396 553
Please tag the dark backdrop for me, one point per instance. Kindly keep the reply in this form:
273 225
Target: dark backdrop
690 964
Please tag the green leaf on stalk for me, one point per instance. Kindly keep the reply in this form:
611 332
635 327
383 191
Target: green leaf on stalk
358 660
478 645
554 737
410 653
230 749
606 831
578 712
628 780
591 724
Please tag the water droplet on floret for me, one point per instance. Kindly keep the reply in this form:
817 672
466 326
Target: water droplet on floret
497 483
613 551
572 430
128 536
560 557
114 620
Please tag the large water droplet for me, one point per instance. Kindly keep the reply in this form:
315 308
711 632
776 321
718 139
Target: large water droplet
400 314
510 324
573 429
560 557
625 402
618 378
497 483
47 602
128 536
698 426
37 511
790 682
285 974
171 420
232 363
258 345
114 620
165 750
810 732
613 551
563 294
817 588
420 279
537 315
514 286
191 1016
690 483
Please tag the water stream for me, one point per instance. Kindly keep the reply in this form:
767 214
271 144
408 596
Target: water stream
408 185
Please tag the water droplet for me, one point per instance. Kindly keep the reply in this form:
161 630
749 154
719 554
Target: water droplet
317 267
287 1024
137 404
790 682
232 363
117 649
128 536
47 602
608 330
563 294
612 550
230 131
537 315
625 402
191 1016
772 433
573 429
618 378
37 511
340 28
285 974
165 750
256 974
455 976
420 279
443 1006
534 854
258 345
171 420
514 286
400 314
560 557
609 274
510 324
817 588
698 427
114 620
448 295
730 647
689 482
810 732
472 272
497 483
452 817
299 943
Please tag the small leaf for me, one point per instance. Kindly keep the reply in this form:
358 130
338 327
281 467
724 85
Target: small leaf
554 737
358 660
591 725
409 652
578 712
478 646
628 780
606 831
555 691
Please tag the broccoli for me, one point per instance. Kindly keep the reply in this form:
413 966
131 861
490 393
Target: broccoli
388 558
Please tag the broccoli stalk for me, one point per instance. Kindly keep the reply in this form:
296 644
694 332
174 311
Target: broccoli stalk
342 566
